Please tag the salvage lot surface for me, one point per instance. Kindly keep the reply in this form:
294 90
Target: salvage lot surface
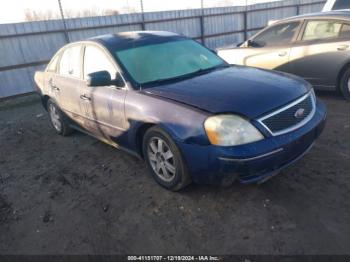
76 195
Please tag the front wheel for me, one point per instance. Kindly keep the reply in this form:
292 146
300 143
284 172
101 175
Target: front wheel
345 84
164 160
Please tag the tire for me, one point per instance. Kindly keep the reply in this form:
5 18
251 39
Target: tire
161 153
58 119
345 84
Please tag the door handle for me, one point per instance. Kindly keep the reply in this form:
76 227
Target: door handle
51 84
85 97
282 53
342 47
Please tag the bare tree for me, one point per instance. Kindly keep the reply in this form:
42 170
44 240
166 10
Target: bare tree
129 10
34 15
223 3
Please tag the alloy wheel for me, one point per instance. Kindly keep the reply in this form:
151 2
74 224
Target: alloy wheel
55 117
161 159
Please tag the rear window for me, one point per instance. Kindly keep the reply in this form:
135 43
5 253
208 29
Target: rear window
316 30
341 4
53 64
345 31
70 62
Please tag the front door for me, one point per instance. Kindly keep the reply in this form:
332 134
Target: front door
103 106
270 49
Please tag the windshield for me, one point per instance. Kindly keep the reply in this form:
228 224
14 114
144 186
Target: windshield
169 60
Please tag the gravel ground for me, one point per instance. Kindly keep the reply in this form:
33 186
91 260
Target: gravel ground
76 195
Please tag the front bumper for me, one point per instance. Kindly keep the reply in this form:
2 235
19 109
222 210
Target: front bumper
252 162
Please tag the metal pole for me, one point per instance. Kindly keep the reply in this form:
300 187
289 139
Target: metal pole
64 21
143 16
245 21
202 22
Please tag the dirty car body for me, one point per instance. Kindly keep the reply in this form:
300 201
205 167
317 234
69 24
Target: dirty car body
227 122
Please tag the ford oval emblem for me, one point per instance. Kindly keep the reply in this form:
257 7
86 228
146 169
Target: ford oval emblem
299 113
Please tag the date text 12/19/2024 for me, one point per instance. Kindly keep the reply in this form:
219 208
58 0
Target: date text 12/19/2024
173 258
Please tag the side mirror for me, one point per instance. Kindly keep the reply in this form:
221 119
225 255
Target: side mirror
252 43
118 81
100 78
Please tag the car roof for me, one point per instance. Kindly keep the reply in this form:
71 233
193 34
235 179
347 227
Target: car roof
338 14
134 38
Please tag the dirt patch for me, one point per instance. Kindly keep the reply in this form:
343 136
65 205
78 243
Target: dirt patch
76 195
5 211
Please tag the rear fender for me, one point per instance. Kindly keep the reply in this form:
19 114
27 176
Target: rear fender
39 80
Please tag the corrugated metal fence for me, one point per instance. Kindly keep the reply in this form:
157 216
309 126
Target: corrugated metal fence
27 47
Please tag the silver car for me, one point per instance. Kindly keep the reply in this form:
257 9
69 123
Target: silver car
314 46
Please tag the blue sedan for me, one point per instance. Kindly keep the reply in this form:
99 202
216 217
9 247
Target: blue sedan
174 103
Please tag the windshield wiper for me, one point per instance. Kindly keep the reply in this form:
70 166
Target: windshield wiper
201 70
159 80
192 74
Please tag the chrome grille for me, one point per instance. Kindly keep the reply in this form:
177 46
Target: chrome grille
291 116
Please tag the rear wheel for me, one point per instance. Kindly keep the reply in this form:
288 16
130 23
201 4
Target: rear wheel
345 84
164 160
58 120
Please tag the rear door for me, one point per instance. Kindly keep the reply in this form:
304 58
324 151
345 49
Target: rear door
103 106
50 78
272 51
320 53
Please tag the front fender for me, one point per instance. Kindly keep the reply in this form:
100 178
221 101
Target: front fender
232 55
183 123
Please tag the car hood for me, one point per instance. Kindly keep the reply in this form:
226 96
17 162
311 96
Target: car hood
238 89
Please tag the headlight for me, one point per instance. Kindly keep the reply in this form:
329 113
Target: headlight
230 130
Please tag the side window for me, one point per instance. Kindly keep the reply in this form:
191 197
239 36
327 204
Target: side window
345 31
96 60
341 4
316 30
70 62
53 64
278 34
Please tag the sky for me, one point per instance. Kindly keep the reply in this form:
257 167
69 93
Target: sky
12 11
